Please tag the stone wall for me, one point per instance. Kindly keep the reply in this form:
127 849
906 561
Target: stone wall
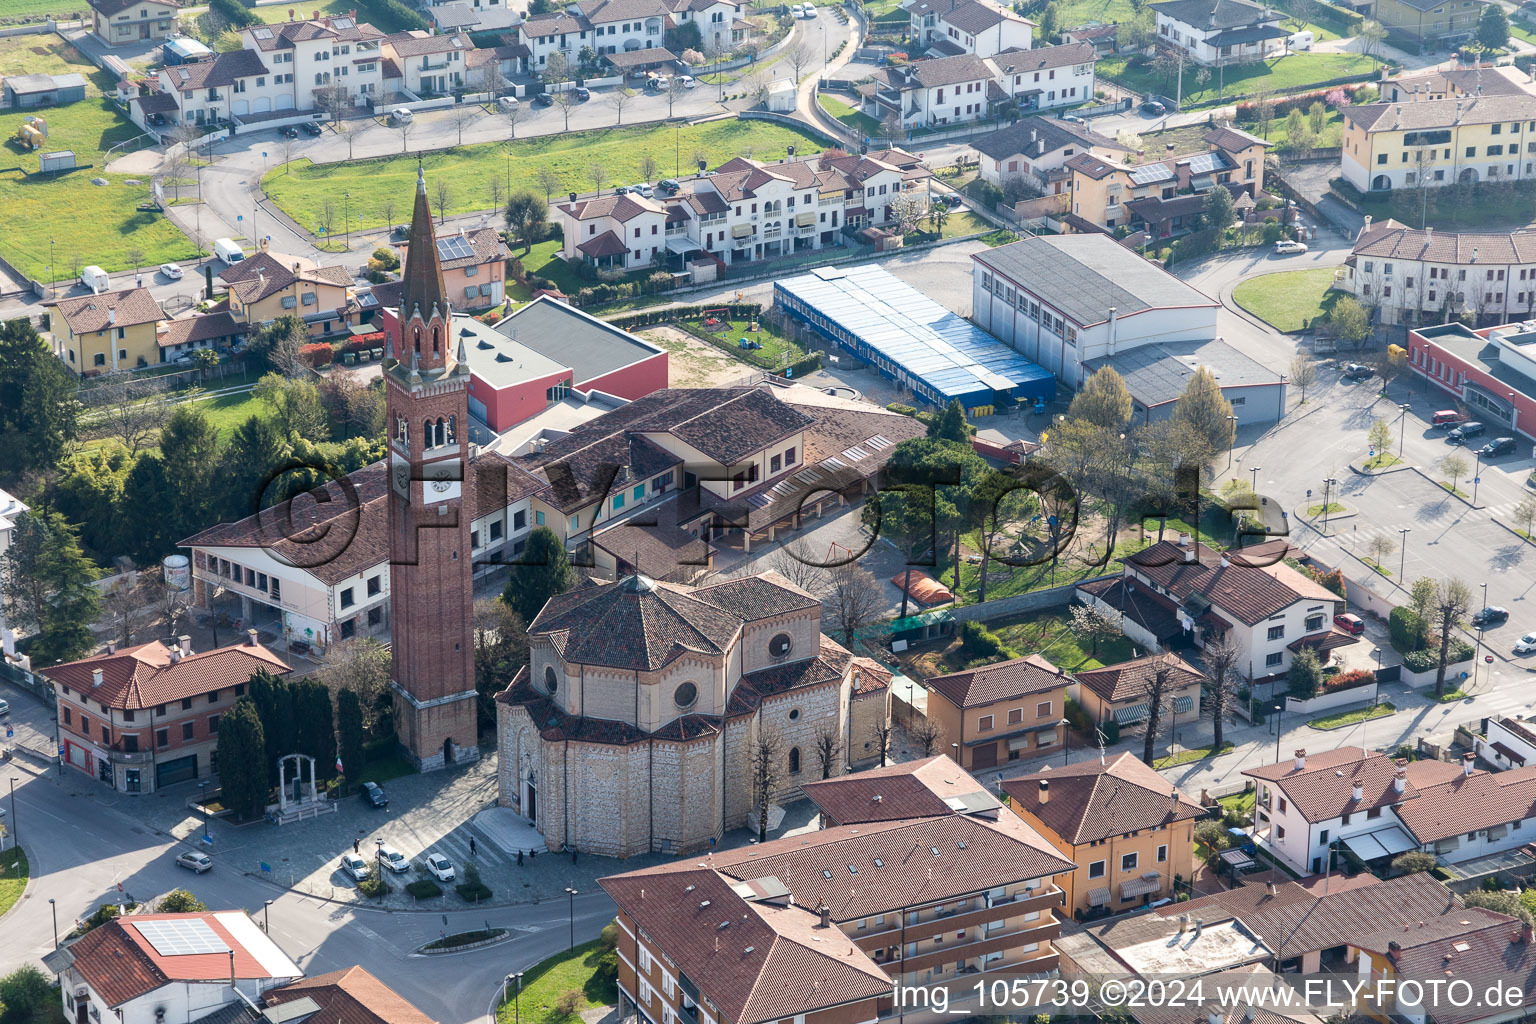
865 711
1027 602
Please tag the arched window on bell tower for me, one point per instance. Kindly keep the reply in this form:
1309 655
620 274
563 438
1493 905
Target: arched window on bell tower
453 429
436 346
416 339
441 433
426 434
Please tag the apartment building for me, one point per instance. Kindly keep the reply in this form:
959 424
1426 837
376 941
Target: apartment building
616 232
979 902
1038 148
1434 143
1000 712
616 26
944 28
965 87
1048 77
146 717
1119 693
1218 32
1453 83
474 267
268 285
430 64
1420 275
307 58
120 22
1491 370
721 24
1441 24
1128 831
108 332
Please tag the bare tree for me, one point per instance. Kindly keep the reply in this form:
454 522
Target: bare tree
880 733
442 195
855 600
125 604
548 179
926 735
362 665
464 116
648 168
796 562
758 88
1155 687
1452 599
178 161
1454 466
387 208
327 218
334 101
1524 514
287 145
799 54
1379 547
827 747
1220 656
675 89
173 603
405 128
513 116
133 414
492 78
619 99
599 175
494 186
1303 373
566 100
765 755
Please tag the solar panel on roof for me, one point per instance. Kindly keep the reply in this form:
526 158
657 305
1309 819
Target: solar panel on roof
181 937
1149 173
262 33
1205 163
454 247
759 500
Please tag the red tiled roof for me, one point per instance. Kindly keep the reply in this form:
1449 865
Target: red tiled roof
351 996
1246 592
147 676
1128 680
1469 803
1004 680
1323 787
123 308
202 327
605 244
1089 801
912 789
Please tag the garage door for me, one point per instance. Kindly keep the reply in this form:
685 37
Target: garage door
168 773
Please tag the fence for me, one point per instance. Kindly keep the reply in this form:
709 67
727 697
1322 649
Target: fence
33 683
1337 699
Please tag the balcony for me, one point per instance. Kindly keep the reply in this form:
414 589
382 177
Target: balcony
136 757
771 233
1013 906
1043 930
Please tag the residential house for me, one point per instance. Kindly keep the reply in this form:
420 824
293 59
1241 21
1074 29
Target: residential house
929 93
616 232
1472 813
982 903
268 285
312 60
721 23
945 28
1420 275
1037 148
1437 24
1451 83
563 32
1128 831
203 92
1105 39
1507 742
108 332
1216 32
1121 692
1048 77
474 267
430 65
168 968
184 335
1490 371
1151 946
1000 712
1434 143
351 995
608 26
1106 193
11 509
146 717
120 22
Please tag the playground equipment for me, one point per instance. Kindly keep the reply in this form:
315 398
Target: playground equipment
32 133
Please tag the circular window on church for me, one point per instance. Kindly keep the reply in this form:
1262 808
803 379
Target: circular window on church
685 696
551 681
794 714
781 645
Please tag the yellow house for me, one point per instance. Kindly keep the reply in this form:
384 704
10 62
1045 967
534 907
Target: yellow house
1439 142
120 22
1129 830
1001 712
269 285
1441 23
1118 692
108 332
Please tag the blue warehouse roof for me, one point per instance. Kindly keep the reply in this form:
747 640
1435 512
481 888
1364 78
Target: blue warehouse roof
869 309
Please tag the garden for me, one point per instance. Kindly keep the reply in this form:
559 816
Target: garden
557 990
1289 300
1203 87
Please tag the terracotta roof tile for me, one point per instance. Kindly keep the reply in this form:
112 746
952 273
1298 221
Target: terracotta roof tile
350 996
1469 803
1089 801
1246 592
1004 680
124 308
911 789
1323 787
146 676
1128 680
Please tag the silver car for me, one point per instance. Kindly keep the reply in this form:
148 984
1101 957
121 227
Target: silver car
194 861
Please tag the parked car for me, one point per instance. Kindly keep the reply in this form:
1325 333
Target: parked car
668 185
5 707
689 82
355 866
951 199
440 867
313 127
170 271
401 115
1349 623
1153 108
642 189
1526 644
583 93
1358 371
1493 615
374 794
1073 119
290 132
1498 446
1471 428
393 859
1445 418
544 99
194 861
507 103
1289 247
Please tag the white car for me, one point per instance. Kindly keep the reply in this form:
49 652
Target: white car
1526 644
689 82
355 866
440 867
394 859
642 189
5 707
1289 247
171 271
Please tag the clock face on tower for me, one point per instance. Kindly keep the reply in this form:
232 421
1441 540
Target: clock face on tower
442 482
400 475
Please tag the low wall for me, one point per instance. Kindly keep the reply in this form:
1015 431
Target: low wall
1328 701
1453 675
792 122
1018 603
40 28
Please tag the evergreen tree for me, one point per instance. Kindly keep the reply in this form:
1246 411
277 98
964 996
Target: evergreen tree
1220 211
1202 411
38 411
146 538
89 491
349 728
1493 27
273 700
189 444
1103 400
255 450
544 571
46 582
950 424
242 748
316 726
27 997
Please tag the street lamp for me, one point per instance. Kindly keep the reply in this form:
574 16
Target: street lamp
1066 741
202 803
1477 475
517 1015
1279 723
266 919
1232 420
1403 434
52 282
1254 487
1327 501
346 216
54 907
16 829
571 902
1402 560
378 859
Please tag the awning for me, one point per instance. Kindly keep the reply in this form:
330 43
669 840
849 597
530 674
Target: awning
1098 897
1384 842
1140 886
741 230
1447 845
805 220
1237 860
1131 715
1509 754
1020 742
681 244
1322 642
1182 704
1498 832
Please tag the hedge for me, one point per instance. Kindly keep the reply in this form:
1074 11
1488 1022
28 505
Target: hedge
317 354
1349 680
393 10
904 410
1428 659
800 367
1403 628
424 889
649 318
473 892
236 13
1249 111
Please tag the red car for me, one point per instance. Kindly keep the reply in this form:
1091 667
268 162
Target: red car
1349 623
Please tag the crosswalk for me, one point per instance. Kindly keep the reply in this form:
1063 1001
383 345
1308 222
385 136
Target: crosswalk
1357 531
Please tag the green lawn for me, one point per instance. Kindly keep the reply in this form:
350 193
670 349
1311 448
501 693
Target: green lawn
1382 461
1049 634
543 260
1239 803
544 983
963 223
272 13
14 871
1331 508
40 10
1187 755
1333 130
99 224
1343 718
302 194
1291 73
850 116
49 55
1288 299
777 350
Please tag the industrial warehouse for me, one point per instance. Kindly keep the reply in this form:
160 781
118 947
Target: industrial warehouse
911 339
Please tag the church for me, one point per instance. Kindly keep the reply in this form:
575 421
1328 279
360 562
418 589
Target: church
637 722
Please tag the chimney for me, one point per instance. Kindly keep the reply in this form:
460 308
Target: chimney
1199 926
1173 802
1249 1013
1274 890
826 915
1183 540
1429 233
111 646
95 677
1356 791
573 197
1225 561
112 316
1189 554
1301 760
232 970
1045 791
1468 762
1526 934
703 166
250 638
1183 923
1114 332
1400 781
185 643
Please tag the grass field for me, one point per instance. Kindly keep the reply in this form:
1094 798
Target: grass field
1355 717
1049 633
1287 299
49 55
545 982
1187 755
850 116
1280 74
13 877
302 194
99 224
40 10
777 349
273 13
543 260
1333 130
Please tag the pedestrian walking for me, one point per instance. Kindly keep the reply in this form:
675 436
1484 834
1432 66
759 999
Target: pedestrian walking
354 846
472 846
519 858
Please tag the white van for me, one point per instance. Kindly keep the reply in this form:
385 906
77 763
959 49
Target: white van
95 279
401 115
226 250
1302 40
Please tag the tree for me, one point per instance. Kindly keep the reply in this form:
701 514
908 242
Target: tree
353 409
350 734
242 760
619 99
334 100
362 667
1092 623
855 599
45 581
1350 320
501 647
1371 35
1220 211
675 90
890 125
1524 515
39 416
278 343
880 734
1303 373
549 180
1379 547
493 78
1380 435
797 562
1103 400
1504 902
950 424
1454 466
1493 27
544 571
387 211
1317 118
907 210
316 726
1452 599
295 405
799 54
27 997
1205 412
1414 861
926 735
179 901
129 408
567 101
125 604
525 216
513 115
1298 134
1005 503
648 168
204 359
1421 600
442 195
1155 688
827 746
1305 676
1264 110
405 128
1220 656
599 173
765 753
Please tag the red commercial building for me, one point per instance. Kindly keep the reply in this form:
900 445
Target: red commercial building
1489 373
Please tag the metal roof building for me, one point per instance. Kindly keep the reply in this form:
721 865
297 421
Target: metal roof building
912 339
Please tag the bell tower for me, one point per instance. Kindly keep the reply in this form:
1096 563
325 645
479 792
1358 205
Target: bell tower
431 591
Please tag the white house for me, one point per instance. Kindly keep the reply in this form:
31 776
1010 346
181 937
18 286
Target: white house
611 26
720 22
1048 77
1039 147
435 64
185 966
613 232
946 90
309 57
1413 274
1220 31
1506 742
945 28
11 509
